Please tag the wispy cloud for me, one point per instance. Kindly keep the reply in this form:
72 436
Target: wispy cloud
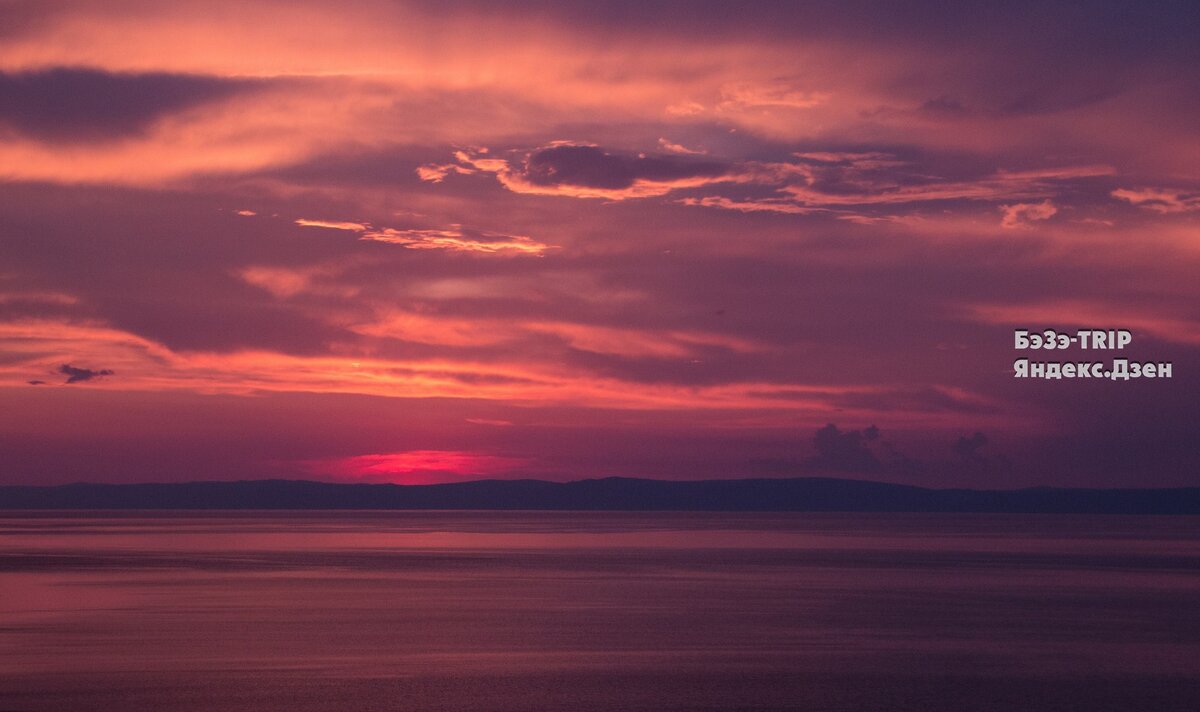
455 239
1160 200
777 95
333 224
1001 185
841 183
761 205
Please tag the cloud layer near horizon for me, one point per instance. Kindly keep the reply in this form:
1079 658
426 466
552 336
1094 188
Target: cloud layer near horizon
646 239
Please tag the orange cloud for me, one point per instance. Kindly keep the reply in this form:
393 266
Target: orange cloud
776 95
436 329
332 225
35 350
454 239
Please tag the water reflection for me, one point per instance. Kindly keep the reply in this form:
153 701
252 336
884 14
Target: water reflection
573 611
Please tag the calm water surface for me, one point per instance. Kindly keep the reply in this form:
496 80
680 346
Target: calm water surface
597 611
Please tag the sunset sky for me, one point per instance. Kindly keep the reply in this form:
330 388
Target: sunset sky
435 241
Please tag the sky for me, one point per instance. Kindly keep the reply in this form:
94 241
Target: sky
425 242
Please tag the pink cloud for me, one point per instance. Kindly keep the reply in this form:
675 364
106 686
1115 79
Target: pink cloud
666 145
1021 214
1159 200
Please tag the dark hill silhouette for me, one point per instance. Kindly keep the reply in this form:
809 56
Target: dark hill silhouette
810 494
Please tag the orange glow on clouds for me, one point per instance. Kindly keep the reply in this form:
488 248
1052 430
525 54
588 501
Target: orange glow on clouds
453 238
798 213
143 365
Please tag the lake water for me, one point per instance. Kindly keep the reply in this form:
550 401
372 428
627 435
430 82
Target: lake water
597 611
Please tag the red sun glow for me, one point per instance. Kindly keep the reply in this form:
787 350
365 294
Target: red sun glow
415 466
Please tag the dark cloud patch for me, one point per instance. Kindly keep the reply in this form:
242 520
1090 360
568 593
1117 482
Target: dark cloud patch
593 167
70 104
1116 434
1023 100
974 459
36 382
846 450
79 375
866 453
968 448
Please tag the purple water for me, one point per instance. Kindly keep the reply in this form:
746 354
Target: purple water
597 611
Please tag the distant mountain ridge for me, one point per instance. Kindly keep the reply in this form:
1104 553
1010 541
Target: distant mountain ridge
809 494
